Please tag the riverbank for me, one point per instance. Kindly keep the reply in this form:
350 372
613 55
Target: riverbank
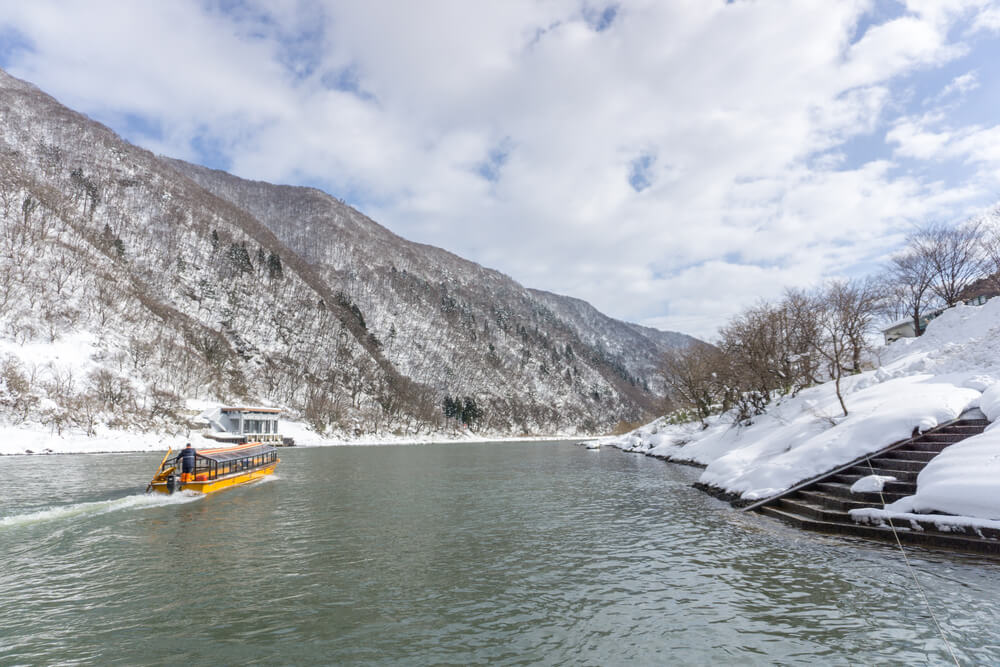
917 384
33 439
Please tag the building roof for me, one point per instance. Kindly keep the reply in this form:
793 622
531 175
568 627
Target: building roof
899 323
250 409
987 287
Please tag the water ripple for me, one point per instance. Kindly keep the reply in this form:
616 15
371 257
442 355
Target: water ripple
473 554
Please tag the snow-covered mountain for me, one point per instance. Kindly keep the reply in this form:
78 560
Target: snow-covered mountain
131 284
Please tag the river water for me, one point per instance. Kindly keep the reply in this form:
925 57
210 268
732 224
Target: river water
503 553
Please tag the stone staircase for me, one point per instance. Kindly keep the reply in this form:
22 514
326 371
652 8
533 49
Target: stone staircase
822 504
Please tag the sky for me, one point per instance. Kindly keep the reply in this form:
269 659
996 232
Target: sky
669 161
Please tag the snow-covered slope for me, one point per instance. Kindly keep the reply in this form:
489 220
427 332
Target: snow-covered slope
172 283
440 317
921 382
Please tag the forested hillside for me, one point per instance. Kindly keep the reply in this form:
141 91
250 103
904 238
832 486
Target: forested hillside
130 284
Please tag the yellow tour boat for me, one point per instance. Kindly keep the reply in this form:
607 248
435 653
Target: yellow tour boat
216 469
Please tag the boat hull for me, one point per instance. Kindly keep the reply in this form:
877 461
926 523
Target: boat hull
220 483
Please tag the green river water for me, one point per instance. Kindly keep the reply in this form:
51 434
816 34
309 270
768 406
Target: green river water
502 553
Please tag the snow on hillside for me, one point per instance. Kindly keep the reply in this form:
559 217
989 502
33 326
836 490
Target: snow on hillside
175 282
32 438
921 382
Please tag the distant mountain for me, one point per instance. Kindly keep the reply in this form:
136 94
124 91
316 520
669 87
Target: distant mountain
181 282
638 350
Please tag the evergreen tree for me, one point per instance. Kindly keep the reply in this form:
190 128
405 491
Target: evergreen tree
470 411
274 270
239 258
449 408
113 242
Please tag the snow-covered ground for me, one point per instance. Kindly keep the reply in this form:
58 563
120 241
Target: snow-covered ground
920 383
30 438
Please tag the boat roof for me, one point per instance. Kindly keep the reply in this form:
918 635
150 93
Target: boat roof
233 453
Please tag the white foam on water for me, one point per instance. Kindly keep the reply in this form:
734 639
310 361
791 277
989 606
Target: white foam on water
273 477
138 501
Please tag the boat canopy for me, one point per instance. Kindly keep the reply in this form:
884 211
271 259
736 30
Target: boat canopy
236 453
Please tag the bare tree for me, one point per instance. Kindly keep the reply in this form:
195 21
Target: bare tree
801 328
909 281
751 341
990 241
954 255
845 312
858 303
693 375
769 349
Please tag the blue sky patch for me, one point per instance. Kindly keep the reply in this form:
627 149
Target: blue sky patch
601 19
881 12
491 167
12 42
347 80
639 176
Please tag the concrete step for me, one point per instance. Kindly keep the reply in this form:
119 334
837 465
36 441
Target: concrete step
845 503
909 537
898 463
788 517
860 471
941 437
811 510
910 454
928 446
970 426
824 505
931 527
842 489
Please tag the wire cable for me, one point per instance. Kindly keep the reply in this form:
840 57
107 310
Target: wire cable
913 573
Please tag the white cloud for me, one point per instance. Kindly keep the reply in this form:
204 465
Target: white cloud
742 111
915 140
988 20
929 137
961 84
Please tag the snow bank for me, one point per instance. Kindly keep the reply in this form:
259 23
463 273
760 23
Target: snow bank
920 383
939 521
36 439
33 438
871 483
783 454
963 479
990 402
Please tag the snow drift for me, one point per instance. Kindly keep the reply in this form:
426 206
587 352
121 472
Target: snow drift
919 383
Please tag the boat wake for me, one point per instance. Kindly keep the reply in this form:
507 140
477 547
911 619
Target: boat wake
138 501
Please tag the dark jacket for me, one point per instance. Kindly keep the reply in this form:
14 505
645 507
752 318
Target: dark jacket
187 459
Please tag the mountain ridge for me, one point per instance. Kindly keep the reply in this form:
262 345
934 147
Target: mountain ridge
284 294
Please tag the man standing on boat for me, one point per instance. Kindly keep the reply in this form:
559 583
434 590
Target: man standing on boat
187 462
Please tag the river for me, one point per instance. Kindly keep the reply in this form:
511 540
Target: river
501 553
